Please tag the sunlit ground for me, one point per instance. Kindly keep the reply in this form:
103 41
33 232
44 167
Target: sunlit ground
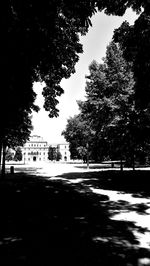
57 171
139 219
54 170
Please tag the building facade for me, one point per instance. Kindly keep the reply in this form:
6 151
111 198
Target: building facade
36 150
64 151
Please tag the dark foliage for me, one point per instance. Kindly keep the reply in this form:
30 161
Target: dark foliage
135 42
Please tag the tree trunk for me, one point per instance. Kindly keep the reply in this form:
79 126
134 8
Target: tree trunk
87 156
3 161
133 160
121 165
0 154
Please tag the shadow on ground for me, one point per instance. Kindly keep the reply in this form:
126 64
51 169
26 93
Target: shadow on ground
127 181
49 222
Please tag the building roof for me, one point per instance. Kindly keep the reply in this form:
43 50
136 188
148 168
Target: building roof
36 138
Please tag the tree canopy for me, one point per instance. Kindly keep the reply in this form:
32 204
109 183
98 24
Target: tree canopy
76 134
18 154
109 118
54 154
43 44
135 43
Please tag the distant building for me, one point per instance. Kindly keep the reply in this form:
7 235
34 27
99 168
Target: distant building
64 151
36 150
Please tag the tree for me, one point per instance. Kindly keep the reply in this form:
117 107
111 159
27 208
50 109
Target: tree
109 118
78 134
109 87
43 43
135 43
74 135
121 130
15 134
119 97
9 155
18 154
52 153
82 151
58 155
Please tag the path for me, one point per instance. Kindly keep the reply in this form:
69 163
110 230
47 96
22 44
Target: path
124 229
142 220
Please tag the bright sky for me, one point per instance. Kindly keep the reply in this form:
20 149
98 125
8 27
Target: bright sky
94 46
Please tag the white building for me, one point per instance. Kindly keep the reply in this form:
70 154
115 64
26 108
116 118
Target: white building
64 150
36 150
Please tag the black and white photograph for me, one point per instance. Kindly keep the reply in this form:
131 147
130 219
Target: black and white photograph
75 133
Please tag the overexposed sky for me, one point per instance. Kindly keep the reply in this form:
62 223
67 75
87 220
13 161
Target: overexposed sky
94 47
